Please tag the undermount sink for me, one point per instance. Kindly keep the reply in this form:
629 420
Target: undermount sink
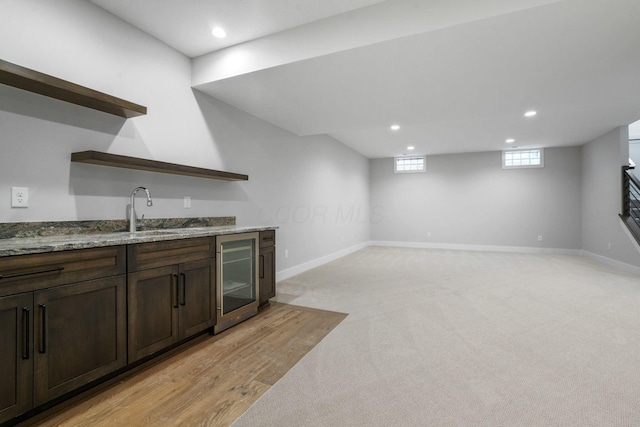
156 232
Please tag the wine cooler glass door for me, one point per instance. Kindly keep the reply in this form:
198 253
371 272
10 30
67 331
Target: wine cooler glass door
238 279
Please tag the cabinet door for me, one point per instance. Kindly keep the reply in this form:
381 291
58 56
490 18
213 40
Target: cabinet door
16 355
153 311
80 335
197 296
267 274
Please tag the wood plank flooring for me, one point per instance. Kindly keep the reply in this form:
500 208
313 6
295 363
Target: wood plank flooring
209 383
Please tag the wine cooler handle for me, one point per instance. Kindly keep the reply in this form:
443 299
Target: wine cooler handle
43 329
26 325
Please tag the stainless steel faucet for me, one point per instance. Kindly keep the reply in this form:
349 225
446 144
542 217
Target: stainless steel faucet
132 208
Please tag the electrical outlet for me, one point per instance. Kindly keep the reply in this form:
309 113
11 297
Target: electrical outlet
286 253
428 234
19 197
187 202
539 238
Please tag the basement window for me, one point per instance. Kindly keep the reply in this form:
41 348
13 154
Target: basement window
516 159
410 164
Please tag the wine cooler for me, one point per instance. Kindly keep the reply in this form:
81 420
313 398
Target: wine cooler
237 279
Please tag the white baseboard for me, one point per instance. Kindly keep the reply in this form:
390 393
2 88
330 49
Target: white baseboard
612 263
298 269
482 248
301 268
631 237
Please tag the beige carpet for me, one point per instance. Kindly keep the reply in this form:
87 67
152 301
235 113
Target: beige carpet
453 338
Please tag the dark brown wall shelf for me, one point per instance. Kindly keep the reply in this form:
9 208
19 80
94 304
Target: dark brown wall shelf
118 161
53 87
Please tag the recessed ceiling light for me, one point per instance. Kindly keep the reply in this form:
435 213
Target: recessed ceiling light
530 113
395 127
219 32
510 140
411 147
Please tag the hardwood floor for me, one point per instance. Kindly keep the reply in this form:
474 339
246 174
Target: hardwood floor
209 383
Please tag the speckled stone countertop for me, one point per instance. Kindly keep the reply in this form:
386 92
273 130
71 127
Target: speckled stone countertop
68 237
9 230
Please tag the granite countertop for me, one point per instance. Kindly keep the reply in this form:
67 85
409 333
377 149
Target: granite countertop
63 242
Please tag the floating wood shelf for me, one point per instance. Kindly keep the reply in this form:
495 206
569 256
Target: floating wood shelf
53 87
118 161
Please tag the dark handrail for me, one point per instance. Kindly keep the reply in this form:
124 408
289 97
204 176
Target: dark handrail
631 176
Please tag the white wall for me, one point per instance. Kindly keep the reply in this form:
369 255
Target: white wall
468 199
602 233
634 155
314 188
317 190
634 130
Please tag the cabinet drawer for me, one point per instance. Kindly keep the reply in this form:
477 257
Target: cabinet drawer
158 254
267 238
24 273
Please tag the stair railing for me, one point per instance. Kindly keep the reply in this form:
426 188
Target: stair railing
631 201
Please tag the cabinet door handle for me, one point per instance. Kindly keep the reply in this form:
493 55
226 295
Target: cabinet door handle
31 273
184 289
177 299
262 266
26 335
43 328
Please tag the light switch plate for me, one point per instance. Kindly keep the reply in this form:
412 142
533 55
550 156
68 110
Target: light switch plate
19 197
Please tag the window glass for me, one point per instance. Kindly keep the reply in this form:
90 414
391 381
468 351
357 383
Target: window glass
523 159
410 164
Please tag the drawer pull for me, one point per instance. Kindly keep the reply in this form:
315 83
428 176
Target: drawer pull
27 327
11 276
268 239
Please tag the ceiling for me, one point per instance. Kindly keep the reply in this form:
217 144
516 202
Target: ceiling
456 75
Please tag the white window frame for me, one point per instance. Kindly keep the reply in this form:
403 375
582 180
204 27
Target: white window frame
423 169
505 155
